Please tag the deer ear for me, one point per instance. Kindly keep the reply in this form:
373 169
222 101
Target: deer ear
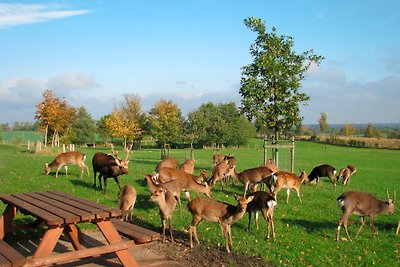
249 199
236 196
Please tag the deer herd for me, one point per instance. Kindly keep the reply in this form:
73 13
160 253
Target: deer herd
170 179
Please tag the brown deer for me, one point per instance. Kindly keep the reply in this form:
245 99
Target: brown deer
65 159
219 172
187 166
216 211
252 176
126 202
362 204
167 203
266 203
346 173
167 162
109 166
288 181
217 158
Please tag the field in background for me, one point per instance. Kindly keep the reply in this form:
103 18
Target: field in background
305 232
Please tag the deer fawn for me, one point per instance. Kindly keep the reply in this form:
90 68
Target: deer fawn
65 159
216 211
266 203
126 202
167 203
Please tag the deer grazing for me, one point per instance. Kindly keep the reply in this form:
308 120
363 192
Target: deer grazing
65 159
216 211
288 181
362 204
109 166
167 203
253 176
346 173
324 170
126 202
266 203
219 172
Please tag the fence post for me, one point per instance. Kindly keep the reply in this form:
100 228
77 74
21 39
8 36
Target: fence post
292 156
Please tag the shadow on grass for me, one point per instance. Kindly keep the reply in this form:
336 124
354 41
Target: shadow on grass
311 226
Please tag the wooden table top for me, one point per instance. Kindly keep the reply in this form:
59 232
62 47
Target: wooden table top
58 208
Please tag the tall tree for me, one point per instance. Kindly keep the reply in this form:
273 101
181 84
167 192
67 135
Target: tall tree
348 129
165 122
83 128
370 131
270 84
323 122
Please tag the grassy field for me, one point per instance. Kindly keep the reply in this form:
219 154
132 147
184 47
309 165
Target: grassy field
305 232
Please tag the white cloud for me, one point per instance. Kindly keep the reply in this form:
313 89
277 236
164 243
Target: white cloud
18 14
71 80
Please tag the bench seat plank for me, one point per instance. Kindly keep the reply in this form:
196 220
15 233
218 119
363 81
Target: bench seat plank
9 256
138 234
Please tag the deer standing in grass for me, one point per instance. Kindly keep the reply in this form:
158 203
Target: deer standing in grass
324 170
346 173
362 204
187 166
65 159
253 176
289 181
265 203
167 203
216 211
126 202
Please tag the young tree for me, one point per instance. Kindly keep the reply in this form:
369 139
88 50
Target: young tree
348 129
165 122
83 128
270 84
54 116
323 122
370 131
125 122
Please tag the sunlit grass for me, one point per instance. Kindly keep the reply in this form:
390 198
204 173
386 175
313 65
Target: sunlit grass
305 232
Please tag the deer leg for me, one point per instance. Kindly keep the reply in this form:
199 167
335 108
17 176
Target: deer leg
298 195
248 225
66 170
193 230
287 195
170 229
362 225
256 218
371 224
117 181
272 225
246 186
398 228
228 237
163 229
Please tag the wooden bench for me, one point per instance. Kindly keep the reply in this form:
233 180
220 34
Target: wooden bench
139 234
9 256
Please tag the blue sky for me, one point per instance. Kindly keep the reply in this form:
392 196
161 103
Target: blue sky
191 52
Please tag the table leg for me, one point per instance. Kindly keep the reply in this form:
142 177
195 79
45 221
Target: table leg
112 236
49 241
73 235
6 220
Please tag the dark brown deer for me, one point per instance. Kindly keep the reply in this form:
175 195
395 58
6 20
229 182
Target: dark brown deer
65 159
265 203
167 203
109 166
324 170
216 211
362 204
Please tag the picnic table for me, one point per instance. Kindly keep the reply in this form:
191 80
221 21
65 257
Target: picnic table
59 212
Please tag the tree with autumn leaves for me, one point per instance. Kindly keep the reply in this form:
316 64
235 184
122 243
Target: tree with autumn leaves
55 117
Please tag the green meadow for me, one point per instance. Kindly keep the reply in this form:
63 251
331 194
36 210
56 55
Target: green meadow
305 232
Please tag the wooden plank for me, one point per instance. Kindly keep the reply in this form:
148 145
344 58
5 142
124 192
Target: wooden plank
95 213
137 233
30 209
101 211
67 216
48 198
11 254
4 262
79 254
